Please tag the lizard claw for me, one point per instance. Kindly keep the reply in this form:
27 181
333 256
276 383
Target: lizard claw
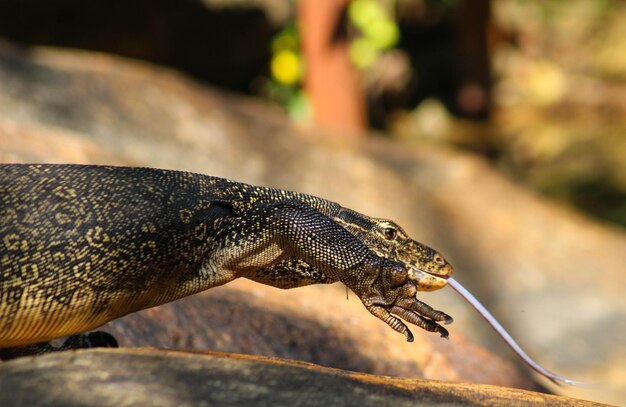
395 323
415 305
409 335
443 332
391 300
416 319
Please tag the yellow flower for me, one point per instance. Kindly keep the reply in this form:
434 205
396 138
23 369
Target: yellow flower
286 67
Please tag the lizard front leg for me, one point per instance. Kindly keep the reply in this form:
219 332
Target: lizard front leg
268 236
289 273
295 230
382 284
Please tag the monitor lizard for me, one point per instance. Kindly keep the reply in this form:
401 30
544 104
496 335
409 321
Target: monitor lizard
81 245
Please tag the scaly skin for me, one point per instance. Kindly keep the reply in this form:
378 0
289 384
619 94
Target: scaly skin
83 245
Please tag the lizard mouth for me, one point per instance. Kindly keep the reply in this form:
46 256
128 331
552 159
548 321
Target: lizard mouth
430 280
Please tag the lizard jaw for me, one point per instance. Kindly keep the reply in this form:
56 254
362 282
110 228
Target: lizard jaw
428 281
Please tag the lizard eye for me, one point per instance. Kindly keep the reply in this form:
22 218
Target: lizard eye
390 233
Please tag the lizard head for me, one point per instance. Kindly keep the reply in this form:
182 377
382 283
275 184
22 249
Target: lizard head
404 267
426 267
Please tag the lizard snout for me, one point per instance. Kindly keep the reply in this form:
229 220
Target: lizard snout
427 268
433 275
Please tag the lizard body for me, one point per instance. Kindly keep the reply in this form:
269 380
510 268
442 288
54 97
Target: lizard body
81 245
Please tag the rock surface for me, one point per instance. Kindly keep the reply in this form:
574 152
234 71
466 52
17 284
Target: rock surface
172 378
554 277
314 324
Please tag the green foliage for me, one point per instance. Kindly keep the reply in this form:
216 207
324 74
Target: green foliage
377 31
374 31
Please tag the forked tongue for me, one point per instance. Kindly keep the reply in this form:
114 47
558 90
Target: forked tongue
507 338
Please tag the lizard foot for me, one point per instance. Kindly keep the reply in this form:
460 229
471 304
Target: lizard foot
409 316
98 339
396 296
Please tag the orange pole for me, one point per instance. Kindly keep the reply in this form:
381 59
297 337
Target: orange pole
331 81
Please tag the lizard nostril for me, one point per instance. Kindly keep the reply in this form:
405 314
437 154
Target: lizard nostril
439 260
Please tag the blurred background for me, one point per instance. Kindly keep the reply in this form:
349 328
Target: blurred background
494 131
538 88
